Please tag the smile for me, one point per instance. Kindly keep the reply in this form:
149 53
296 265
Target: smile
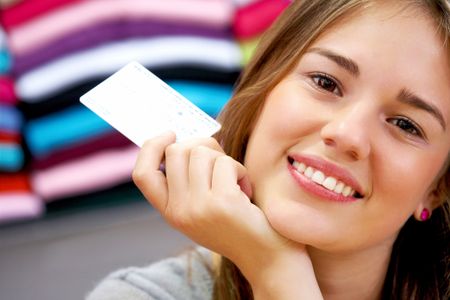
315 178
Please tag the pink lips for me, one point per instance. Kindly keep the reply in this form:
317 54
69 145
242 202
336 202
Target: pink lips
330 170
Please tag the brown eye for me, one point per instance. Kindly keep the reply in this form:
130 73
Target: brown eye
326 83
407 126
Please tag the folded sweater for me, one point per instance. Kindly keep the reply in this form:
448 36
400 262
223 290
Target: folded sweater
69 70
59 22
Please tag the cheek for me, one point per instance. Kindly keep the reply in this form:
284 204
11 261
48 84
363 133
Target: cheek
278 127
405 180
287 115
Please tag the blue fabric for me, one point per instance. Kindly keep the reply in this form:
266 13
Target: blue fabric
11 157
10 118
5 61
63 129
209 97
76 124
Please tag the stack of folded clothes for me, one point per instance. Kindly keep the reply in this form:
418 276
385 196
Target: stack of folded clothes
17 201
60 49
252 18
63 48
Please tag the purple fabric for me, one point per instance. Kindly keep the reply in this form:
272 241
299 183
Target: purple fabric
111 31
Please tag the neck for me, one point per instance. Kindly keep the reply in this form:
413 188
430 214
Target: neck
351 275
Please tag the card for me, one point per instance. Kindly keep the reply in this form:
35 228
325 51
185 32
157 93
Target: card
141 106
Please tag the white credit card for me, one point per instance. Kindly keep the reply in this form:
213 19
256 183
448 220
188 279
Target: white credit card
141 106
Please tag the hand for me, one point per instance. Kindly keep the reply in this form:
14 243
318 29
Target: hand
206 194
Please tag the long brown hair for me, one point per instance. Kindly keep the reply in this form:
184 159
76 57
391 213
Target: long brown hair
419 266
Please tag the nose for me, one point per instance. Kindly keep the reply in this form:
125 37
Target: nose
348 133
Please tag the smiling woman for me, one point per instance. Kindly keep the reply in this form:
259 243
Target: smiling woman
361 90
330 176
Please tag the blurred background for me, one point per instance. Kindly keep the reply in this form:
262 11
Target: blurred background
69 213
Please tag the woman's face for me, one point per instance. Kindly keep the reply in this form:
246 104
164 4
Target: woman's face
348 145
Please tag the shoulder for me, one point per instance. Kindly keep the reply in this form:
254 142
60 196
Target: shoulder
188 276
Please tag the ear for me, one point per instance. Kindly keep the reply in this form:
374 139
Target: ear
425 208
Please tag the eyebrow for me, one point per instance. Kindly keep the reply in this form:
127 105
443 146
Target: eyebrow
411 99
405 96
342 61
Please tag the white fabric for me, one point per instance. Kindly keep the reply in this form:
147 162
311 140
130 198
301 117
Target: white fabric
106 59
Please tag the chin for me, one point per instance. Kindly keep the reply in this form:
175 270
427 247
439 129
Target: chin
306 226
298 224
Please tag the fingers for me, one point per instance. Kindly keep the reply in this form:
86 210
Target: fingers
158 187
229 175
201 164
177 159
194 171
178 165
147 174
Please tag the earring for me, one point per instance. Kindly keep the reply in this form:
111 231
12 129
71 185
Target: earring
425 214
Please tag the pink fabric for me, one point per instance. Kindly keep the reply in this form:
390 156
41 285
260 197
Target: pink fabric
83 14
7 93
27 10
255 18
92 173
19 205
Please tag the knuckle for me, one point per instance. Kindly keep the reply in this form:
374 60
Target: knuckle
208 142
146 180
224 159
214 144
173 150
211 141
148 144
199 151
138 175
188 217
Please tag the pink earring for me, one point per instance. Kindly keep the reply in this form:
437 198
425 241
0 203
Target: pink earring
425 214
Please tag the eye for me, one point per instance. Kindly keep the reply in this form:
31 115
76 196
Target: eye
327 83
407 126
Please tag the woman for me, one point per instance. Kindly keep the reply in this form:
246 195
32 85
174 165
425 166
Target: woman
331 177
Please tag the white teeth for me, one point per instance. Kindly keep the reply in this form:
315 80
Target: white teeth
347 190
319 177
330 183
309 172
301 167
339 187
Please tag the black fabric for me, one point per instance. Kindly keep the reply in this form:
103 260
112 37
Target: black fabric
71 96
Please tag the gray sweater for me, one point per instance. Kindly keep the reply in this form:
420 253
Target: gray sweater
185 277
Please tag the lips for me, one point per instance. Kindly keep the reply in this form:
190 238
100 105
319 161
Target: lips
324 179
